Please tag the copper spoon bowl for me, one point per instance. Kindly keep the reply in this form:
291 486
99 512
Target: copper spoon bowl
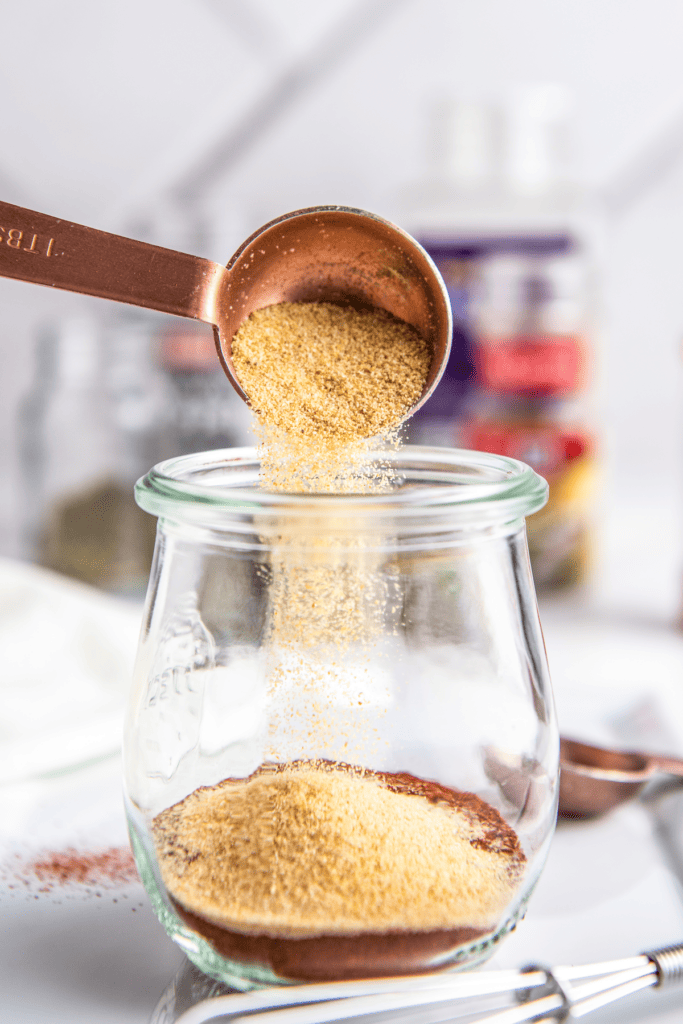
323 254
593 780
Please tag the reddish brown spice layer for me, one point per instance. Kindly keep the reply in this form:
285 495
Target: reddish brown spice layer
336 957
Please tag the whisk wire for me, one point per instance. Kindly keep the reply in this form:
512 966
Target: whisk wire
544 995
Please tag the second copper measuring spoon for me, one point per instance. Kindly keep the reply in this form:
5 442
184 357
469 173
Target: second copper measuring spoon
322 254
593 780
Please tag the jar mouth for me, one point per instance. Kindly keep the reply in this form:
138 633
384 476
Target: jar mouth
209 488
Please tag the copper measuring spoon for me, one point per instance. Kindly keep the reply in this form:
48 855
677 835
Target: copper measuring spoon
322 254
593 780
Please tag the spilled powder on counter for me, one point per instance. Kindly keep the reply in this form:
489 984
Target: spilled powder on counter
115 864
49 870
321 848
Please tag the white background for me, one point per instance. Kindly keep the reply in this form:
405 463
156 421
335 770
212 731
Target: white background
107 111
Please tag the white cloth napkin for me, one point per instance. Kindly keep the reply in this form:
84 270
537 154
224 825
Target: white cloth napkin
67 655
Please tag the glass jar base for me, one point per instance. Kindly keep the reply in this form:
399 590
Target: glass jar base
244 962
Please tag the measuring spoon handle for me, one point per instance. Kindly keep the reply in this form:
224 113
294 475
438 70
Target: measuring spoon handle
670 765
45 250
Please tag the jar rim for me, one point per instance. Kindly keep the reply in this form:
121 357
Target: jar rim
203 488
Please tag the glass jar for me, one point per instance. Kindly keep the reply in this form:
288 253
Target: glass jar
341 753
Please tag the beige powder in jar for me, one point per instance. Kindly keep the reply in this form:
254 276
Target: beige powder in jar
320 848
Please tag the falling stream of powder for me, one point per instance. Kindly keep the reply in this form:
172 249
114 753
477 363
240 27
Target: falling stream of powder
326 380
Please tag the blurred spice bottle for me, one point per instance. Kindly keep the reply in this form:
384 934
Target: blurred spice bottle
532 360
516 242
92 417
108 400
204 411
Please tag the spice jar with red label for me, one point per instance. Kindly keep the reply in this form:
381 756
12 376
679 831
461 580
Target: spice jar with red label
517 240
532 397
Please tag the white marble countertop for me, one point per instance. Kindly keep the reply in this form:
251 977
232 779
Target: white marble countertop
93 952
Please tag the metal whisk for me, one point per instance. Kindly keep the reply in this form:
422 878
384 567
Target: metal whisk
542 994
